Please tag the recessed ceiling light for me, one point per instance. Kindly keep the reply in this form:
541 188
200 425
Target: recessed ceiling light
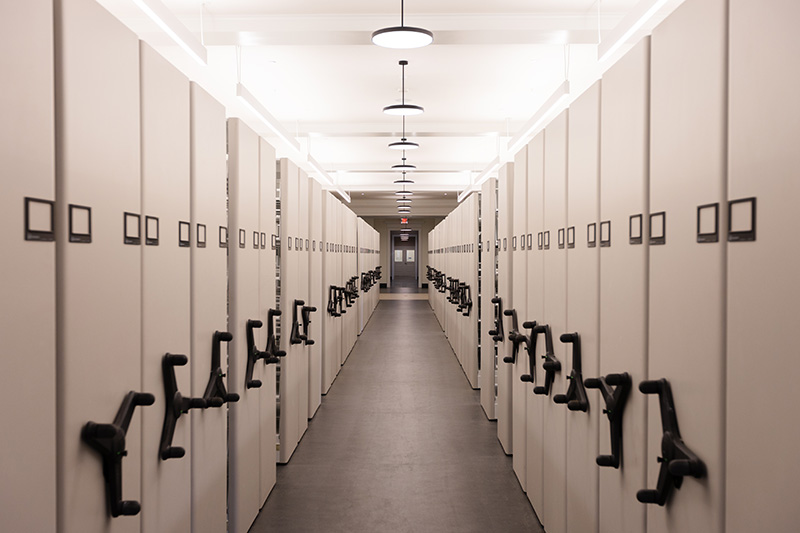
403 108
402 36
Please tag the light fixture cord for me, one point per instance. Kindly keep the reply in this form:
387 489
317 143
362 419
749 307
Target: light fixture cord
403 84
404 127
401 13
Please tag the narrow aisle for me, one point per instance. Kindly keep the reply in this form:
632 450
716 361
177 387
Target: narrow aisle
399 444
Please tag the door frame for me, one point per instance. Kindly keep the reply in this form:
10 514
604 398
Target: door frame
397 233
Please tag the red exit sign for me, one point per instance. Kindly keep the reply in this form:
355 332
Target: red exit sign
404 221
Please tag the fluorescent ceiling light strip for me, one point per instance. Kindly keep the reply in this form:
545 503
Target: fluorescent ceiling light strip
493 167
538 119
266 117
169 23
324 175
318 169
277 128
627 27
344 195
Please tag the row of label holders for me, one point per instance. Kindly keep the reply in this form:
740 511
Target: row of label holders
40 219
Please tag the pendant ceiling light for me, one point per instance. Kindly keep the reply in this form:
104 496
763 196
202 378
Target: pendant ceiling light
403 108
403 143
404 193
402 36
403 166
404 200
404 180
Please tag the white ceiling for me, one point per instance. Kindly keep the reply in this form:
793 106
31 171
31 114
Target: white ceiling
312 66
389 7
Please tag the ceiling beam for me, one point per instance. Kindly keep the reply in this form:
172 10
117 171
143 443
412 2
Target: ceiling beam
378 211
430 134
356 28
443 184
357 38
436 22
390 125
382 170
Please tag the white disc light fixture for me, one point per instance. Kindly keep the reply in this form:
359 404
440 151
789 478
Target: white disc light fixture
403 143
404 200
404 166
404 180
404 193
402 37
403 108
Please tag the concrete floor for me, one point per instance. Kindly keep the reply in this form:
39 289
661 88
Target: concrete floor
402 285
400 444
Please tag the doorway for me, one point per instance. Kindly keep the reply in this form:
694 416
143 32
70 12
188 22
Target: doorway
404 259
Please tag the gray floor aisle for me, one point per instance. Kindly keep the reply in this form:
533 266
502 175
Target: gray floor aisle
399 444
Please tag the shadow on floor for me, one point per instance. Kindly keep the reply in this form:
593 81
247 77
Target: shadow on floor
403 285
